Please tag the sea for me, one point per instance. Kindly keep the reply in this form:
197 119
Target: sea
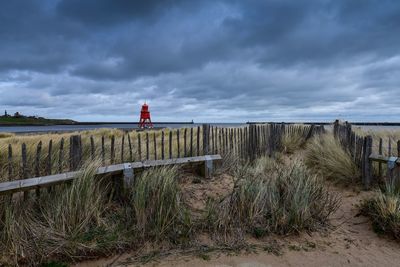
134 126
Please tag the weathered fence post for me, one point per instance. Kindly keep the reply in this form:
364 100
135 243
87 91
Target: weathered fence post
380 153
24 167
147 146
37 164
75 156
162 145
208 164
92 150
191 141
367 166
252 142
130 148
310 132
129 178
184 143
122 148
335 128
112 154
155 145
49 158
61 156
37 160
178 141
103 152
198 140
139 147
170 144
206 136
10 166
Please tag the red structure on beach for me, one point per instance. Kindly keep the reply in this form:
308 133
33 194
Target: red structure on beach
145 120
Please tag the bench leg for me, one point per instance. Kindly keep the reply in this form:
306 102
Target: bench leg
129 177
208 167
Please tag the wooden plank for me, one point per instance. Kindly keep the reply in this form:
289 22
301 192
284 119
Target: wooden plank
49 158
37 164
244 145
178 141
103 152
212 148
33 183
380 153
112 153
155 145
222 135
216 140
130 148
241 142
92 148
122 148
368 164
230 131
170 144
226 141
147 146
162 145
10 163
139 146
24 172
191 141
198 140
74 152
184 143
381 158
24 166
206 138
61 156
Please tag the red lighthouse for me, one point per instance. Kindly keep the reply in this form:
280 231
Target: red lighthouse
145 120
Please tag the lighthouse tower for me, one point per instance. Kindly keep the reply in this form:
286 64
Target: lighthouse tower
145 120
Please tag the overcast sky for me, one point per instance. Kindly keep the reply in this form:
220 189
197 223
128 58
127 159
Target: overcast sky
233 61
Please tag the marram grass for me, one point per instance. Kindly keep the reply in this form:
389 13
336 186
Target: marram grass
325 156
384 210
269 198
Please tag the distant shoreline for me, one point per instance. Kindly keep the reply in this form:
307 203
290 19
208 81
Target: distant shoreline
82 123
329 123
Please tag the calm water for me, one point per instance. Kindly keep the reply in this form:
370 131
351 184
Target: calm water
71 128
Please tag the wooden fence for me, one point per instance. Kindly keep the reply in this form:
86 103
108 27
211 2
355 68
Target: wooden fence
246 142
376 162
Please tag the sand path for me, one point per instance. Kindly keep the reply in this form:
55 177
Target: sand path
350 242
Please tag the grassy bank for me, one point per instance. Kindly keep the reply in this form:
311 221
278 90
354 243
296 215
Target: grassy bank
384 210
21 121
87 219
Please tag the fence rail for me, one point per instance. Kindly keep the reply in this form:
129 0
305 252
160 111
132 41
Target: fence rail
126 169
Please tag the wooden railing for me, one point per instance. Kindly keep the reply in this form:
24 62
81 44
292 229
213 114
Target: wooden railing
125 170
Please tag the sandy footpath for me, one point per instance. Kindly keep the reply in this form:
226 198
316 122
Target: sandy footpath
350 242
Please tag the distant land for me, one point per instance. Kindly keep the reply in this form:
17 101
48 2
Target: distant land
21 120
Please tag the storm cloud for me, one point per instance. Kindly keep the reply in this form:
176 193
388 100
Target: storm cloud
225 60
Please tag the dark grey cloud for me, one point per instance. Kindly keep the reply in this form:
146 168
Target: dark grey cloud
256 59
